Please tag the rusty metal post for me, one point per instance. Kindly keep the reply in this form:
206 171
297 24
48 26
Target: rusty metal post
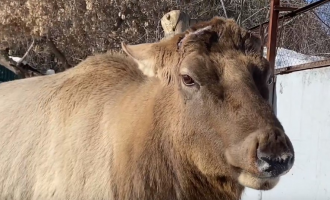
271 47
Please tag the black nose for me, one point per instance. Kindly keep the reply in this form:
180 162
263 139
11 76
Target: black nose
274 166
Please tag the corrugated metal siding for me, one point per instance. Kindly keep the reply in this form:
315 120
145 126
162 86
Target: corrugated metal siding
6 75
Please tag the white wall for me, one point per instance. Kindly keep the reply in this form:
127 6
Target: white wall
303 107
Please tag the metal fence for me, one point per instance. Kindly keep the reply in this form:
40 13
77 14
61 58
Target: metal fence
303 33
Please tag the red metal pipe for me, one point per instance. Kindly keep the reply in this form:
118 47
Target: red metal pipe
271 51
272 33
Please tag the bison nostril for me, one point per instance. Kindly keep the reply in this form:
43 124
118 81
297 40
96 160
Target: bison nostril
273 166
291 160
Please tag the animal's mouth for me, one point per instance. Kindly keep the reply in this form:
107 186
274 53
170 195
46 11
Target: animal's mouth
262 175
261 159
256 182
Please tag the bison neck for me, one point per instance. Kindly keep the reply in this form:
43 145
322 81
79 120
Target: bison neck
149 166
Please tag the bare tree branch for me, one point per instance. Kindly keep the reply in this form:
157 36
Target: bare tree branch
59 55
22 70
239 18
26 53
286 23
26 70
320 19
224 8
251 16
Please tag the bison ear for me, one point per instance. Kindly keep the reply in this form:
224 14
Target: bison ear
143 55
252 42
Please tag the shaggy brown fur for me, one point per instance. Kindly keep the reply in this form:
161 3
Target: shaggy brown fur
107 130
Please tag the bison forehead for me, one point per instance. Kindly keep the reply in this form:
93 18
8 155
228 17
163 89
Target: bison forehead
219 34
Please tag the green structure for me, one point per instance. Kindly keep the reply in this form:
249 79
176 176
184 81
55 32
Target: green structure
6 74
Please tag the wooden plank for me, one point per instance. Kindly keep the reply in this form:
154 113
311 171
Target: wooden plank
294 68
282 8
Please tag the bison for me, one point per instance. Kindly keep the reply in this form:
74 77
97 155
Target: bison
183 118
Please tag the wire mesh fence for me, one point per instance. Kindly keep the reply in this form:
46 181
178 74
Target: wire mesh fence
304 38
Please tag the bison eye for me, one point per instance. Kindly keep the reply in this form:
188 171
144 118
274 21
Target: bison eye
187 80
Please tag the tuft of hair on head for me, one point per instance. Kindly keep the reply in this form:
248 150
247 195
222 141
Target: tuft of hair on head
224 32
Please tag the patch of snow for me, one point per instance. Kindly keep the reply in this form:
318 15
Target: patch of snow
16 59
50 72
286 57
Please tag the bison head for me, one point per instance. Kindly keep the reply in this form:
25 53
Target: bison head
226 126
